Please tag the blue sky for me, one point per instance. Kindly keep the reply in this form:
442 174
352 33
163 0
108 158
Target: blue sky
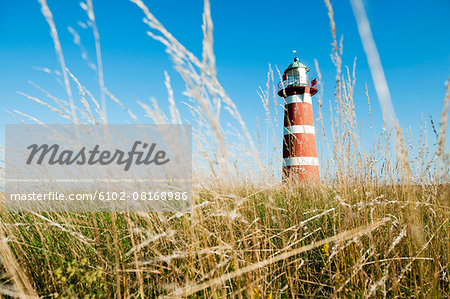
413 39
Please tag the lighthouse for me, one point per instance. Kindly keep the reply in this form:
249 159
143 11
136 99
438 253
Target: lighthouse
300 161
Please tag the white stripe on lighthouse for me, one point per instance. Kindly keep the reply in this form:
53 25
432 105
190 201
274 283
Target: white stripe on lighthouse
299 98
299 129
300 161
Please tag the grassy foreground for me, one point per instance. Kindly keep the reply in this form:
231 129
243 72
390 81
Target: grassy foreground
281 242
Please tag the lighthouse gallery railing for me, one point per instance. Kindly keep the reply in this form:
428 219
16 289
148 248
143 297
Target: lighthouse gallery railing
295 81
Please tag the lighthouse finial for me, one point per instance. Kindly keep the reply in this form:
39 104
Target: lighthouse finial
295 53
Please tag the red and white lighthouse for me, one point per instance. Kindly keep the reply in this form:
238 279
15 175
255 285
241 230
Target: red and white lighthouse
301 163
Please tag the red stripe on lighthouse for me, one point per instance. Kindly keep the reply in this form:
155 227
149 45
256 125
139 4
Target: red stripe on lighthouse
298 114
299 145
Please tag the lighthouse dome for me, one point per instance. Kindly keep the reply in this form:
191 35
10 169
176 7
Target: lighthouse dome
295 65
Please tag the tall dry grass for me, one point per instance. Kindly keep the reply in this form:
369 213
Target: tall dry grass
377 225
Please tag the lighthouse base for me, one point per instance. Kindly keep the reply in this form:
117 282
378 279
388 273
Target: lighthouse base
301 174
